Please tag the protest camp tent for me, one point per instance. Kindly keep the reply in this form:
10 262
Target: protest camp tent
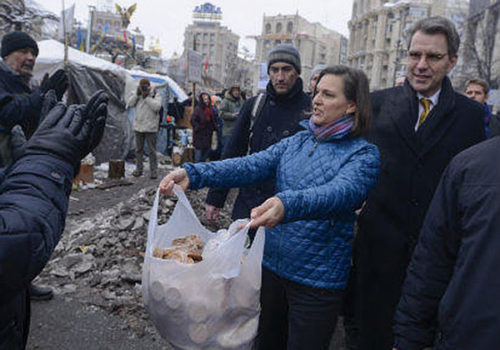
87 74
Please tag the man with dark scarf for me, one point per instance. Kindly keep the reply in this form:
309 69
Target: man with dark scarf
283 108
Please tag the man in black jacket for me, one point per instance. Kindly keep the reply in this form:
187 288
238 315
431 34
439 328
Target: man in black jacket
453 274
283 107
34 194
19 52
418 128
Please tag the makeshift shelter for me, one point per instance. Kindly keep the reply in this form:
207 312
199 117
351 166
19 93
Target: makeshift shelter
87 74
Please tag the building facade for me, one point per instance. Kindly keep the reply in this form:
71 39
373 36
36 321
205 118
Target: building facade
481 44
379 31
315 43
218 45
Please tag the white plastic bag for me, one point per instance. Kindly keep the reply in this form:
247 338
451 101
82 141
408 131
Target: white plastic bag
213 304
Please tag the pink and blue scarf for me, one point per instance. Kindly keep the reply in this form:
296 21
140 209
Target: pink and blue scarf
335 130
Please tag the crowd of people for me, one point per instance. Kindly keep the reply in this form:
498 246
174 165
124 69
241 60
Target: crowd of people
381 207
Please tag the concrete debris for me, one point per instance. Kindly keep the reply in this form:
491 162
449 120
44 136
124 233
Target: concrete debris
98 260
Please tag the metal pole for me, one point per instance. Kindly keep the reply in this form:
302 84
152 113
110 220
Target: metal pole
89 28
65 35
194 84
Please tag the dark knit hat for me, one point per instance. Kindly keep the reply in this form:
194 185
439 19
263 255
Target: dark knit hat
17 40
284 53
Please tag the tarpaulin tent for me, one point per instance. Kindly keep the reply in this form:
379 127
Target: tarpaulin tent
87 74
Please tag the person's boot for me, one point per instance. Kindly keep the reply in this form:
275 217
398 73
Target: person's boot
40 293
154 174
137 173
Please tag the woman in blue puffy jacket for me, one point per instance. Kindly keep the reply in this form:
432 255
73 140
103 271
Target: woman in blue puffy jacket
323 174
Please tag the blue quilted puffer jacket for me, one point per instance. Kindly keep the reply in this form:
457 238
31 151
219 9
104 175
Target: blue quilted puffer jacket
321 184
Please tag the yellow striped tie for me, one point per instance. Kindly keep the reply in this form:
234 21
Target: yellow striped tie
427 108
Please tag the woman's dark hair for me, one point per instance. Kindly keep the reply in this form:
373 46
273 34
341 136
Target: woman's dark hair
201 102
356 89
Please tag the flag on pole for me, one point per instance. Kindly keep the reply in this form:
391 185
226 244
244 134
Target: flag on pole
79 40
125 39
206 65
101 37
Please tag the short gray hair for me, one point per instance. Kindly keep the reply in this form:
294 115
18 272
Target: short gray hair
438 25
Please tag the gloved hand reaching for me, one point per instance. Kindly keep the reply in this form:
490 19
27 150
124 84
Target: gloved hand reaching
57 82
71 133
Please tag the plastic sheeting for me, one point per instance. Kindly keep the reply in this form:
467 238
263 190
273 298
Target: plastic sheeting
87 74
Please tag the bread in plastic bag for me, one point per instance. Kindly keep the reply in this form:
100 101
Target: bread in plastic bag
213 304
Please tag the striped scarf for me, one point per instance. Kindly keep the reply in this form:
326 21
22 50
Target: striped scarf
335 130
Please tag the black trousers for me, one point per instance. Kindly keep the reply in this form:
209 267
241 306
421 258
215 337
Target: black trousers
295 316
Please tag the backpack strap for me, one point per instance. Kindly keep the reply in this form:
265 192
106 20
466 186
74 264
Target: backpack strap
257 106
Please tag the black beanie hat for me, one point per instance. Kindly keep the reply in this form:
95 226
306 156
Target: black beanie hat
17 40
284 53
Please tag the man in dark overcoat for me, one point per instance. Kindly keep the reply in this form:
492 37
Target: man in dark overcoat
418 128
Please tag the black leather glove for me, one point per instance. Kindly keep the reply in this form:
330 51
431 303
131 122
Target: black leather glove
97 108
70 133
57 82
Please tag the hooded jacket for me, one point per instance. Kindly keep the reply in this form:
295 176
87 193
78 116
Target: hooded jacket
229 106
147 118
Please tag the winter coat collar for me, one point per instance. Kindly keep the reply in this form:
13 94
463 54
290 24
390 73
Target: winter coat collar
229 96
7 68
288 97
438 121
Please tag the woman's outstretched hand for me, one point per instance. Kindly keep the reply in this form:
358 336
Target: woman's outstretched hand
178 177
268 214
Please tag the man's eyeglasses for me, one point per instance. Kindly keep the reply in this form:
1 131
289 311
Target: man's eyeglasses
430 58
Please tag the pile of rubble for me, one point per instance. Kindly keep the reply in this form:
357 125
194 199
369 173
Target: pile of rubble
99 259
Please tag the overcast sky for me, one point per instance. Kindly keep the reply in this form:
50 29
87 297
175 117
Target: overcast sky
167 19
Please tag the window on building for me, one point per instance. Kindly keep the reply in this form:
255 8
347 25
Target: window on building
205 36
418 12
279 27
388 28
277 42
268 28
212 37
289 27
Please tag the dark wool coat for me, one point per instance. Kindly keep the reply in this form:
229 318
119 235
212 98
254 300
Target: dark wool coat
202 128
412 164
22 106
453 274
279 118
19 104
34 194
